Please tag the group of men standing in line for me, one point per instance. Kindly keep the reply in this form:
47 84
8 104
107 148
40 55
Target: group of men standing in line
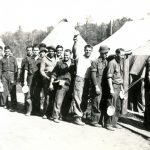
60 86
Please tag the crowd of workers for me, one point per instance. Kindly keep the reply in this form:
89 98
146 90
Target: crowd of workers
61 84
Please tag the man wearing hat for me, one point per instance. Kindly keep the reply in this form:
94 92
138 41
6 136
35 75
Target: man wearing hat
115 82
47 65
99 88
42 53
147 96
43 50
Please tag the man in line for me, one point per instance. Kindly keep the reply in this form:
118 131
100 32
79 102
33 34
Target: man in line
42 54
63 74
81 85
33 79
8 77
22 70
43 50
100 88
2 103
115 82
28 55
47 65
147 96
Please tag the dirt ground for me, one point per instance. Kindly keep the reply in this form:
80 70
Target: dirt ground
18 132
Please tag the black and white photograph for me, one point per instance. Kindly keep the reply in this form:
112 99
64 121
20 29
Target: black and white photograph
75 75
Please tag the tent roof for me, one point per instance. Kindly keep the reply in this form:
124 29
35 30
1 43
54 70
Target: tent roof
130 36
63 34
144 49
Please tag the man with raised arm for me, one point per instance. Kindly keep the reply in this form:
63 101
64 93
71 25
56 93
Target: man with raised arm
82 81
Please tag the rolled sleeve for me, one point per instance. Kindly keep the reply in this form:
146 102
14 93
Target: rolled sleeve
93 66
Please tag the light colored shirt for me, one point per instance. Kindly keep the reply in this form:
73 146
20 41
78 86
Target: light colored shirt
47 65
83 66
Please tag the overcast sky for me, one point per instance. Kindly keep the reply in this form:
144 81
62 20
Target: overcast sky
38 14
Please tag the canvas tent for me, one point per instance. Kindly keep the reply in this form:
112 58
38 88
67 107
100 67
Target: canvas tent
135 36
129 37
63 34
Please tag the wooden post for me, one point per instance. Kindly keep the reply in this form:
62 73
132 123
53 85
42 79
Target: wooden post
125 85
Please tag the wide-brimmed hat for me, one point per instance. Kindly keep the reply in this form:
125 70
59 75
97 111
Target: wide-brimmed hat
104 49
43 49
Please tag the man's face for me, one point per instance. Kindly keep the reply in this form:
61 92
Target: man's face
35 51
29 51
87 52
104 55
7 52
51 53
59 52
42 54
120 55
67 56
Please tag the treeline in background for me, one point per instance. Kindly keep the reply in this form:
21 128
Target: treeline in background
92 33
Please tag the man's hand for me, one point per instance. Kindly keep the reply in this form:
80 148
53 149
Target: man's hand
97 89
25 83
51 87
75 38
112 92
48 78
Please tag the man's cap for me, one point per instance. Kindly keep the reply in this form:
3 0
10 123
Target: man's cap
104 49
118 50
43 49
50 47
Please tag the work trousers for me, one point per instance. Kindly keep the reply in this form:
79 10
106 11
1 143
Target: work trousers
80 96
9 89
36 88
96 109
60 96
116 101
48 99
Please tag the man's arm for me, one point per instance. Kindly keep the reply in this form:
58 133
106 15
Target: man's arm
42 69
25 77
110 73
74 48
15 69
26 69
54 76
110 85
93 76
